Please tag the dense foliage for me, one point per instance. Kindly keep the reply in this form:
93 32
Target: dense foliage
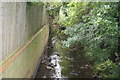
93 25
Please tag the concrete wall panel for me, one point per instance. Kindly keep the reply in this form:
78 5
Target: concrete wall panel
19 22
0 31
25 64
13 22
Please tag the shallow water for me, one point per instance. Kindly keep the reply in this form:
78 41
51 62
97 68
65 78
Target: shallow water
63 63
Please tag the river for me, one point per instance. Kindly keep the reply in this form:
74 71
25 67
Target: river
63 63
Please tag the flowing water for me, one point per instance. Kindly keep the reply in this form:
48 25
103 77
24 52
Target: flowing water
63 63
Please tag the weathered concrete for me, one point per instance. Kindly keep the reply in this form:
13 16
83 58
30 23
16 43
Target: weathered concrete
18 23
25 64
0 31
0 35
13 23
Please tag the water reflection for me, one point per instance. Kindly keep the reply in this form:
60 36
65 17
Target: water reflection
75 65
63 63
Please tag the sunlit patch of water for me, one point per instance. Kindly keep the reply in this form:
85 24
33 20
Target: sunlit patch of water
55 59
62 63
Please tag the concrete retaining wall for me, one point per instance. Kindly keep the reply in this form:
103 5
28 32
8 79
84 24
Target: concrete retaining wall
19 22
0 31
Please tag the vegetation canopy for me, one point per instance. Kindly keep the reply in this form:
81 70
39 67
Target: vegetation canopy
94 26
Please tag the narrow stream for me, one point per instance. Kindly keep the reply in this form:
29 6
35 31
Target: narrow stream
63 63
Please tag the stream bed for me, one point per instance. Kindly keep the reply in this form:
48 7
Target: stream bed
61 63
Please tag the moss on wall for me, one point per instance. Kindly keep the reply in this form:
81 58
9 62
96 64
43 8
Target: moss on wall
18 27
25 64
